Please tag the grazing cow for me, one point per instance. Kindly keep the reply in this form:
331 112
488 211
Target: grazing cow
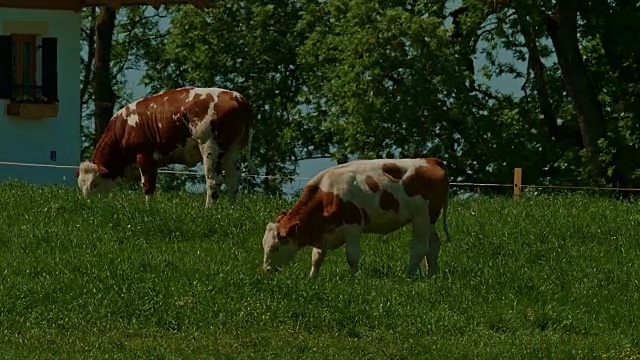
365 196
178 126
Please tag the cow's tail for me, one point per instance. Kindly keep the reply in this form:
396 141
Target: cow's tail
248 110
445 227
444 217
247 152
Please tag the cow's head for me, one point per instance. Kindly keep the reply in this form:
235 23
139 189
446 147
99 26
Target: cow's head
91 179
278 248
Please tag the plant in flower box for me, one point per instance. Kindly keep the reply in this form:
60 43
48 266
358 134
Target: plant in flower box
33 107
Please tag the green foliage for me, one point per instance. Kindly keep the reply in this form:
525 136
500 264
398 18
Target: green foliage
606 36
354 78
552 276
382 76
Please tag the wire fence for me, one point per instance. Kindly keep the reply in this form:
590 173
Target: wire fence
517 185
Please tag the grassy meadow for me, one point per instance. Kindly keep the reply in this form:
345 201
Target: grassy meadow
545 277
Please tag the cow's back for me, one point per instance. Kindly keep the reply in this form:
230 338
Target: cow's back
382 189
156 123
167 123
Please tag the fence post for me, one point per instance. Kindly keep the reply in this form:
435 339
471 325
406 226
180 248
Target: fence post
517 182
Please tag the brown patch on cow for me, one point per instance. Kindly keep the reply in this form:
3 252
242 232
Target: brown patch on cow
393 171
344 211
431 183
437 162
388 202
372 183
315 213
228 108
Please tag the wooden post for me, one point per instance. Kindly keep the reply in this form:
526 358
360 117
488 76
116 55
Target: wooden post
517 182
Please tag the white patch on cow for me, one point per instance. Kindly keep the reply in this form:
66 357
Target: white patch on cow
211 112
132 120
147 197
204 91
202 132
276 253
89 180
209 150
202 129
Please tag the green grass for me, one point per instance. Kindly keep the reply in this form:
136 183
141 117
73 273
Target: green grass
544 277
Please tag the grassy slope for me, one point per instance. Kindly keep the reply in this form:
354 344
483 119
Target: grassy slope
547 276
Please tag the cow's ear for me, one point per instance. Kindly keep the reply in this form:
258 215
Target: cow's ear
291 230
102 171
281 216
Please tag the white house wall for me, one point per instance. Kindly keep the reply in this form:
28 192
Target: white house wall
31 141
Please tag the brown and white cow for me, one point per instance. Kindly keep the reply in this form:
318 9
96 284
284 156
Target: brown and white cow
177 126
364 196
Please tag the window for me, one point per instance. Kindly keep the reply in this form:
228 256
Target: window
28 68
24 66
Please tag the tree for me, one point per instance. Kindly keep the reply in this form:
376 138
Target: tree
581 67
354 78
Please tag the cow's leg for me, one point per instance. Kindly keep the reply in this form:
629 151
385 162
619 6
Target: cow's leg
352 240
317 257
419 243
148 174
209 151
232 173
431 260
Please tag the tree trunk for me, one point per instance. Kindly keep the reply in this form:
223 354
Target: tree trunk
91 51
536 65
104 96
609 21
562 29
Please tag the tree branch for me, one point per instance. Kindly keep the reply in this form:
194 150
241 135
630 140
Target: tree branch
313 157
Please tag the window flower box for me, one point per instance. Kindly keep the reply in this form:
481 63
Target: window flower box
32 108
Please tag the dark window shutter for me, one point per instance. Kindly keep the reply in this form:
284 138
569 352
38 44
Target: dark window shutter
50 68
6 67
